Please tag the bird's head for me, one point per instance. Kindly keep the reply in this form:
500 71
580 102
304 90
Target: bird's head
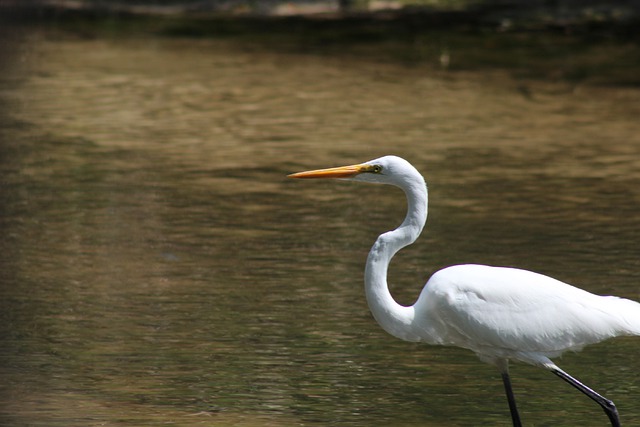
384 170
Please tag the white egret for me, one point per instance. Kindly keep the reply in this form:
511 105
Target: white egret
499 313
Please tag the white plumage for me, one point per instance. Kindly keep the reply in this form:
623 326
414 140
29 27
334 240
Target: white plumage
500 313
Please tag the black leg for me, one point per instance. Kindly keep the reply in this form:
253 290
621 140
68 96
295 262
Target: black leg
606 404
512 399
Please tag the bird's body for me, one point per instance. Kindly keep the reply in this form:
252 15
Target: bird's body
500 313
507 313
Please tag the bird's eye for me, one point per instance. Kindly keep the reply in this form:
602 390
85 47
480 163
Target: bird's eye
376 169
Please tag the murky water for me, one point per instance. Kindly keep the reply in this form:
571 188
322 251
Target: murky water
158 268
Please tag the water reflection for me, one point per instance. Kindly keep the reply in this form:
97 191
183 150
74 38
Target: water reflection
157 267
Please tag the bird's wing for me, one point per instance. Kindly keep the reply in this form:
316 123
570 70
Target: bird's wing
509 310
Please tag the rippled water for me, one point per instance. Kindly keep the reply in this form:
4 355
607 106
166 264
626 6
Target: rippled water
158 267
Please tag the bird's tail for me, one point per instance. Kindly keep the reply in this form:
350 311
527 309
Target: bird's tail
629 313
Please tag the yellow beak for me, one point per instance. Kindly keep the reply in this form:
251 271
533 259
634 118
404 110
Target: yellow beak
339 172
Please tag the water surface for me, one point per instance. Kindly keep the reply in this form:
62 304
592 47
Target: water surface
158 267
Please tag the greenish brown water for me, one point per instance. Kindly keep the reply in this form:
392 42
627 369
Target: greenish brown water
158 268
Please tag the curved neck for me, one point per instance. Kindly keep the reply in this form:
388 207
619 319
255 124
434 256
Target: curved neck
393 317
